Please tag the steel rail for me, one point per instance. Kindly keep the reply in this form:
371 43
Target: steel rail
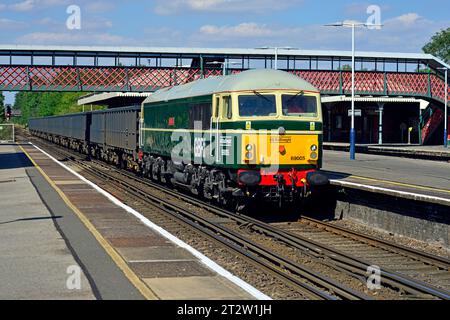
386 245
258 256
341 260
256 250
412 286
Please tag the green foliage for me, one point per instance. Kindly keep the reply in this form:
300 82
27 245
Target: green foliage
6 132
439 45
43 104
346 67
2 107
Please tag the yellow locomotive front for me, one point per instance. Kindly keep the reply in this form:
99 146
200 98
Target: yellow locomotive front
279 134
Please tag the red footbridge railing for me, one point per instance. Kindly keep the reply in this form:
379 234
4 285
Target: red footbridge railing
145 79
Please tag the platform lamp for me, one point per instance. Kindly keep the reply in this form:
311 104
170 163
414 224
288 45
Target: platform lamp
445 107
353 25
276 52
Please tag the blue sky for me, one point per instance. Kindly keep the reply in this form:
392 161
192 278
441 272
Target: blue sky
408 25
222 23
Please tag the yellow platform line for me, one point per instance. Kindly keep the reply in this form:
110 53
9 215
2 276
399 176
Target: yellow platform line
400 184
115 256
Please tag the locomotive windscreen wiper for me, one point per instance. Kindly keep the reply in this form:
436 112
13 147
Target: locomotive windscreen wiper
260 95
300 93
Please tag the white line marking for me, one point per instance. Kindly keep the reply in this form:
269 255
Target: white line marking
405 193
204 259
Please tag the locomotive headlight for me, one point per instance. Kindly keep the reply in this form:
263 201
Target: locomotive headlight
249 155
313 155
249 147
313 148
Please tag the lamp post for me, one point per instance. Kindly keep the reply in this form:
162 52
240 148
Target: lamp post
276 52
353 25
445 108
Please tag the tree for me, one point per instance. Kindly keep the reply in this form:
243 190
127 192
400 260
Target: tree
2 107
439 45
43 104
346 67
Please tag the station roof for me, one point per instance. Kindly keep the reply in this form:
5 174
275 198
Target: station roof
328 99
257 79
114 99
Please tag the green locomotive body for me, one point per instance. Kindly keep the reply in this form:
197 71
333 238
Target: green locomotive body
253 134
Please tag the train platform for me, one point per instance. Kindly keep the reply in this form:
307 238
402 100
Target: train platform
35 259
415 179
414 151
62 237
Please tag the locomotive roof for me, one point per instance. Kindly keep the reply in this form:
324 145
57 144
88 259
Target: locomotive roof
260 79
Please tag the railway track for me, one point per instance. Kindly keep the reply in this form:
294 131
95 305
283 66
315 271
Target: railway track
401 259
242 234
305 281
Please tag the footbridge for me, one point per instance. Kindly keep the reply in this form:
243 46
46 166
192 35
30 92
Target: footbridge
134 69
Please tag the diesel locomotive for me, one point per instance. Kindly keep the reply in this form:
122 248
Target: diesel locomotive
232 139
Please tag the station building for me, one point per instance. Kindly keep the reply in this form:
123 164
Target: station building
379 120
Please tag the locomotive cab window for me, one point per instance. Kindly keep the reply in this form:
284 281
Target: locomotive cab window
257 105
216 108
298 105
227 111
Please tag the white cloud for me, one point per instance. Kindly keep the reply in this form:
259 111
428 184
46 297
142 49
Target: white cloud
96 24
360 8
243 30
163 36
26 5
66 38
30 5
167 7
407 20
8 24
99 6
405 33
87 24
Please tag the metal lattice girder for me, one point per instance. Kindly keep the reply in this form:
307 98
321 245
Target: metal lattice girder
145 79
365 82
13 78
327 82
408 84
438 88
53 78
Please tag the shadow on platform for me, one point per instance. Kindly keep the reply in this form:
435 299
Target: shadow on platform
14 161
31 219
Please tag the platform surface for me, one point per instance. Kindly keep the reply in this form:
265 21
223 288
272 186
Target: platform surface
438 152
34 258
425 177
155 268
